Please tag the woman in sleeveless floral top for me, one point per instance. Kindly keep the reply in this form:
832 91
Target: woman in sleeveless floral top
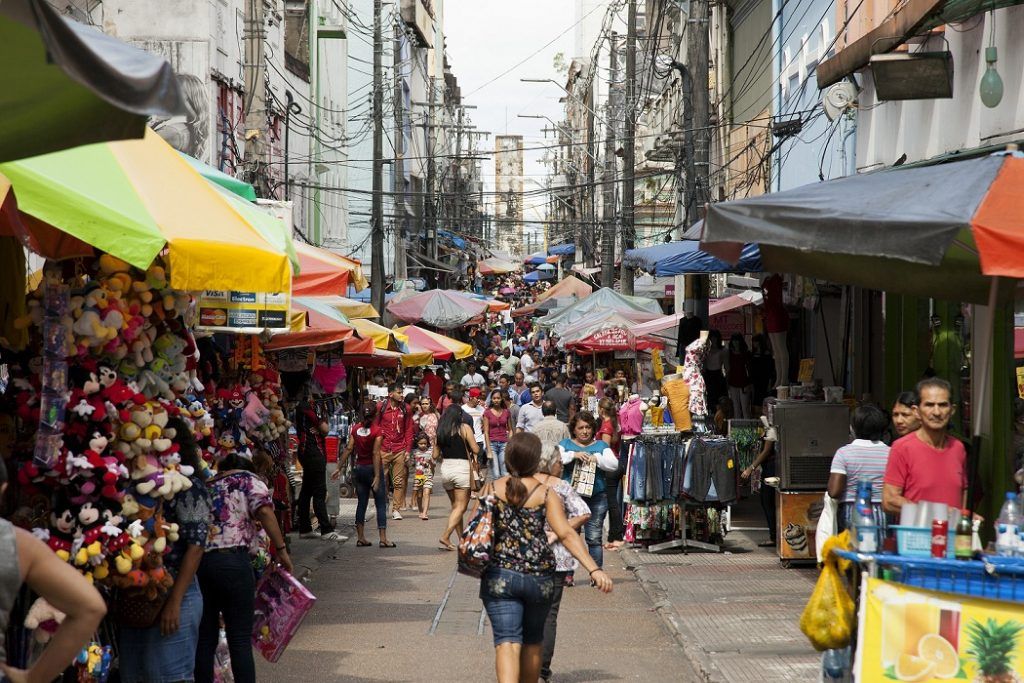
518 586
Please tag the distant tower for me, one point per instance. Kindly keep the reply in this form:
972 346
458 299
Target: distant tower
508 188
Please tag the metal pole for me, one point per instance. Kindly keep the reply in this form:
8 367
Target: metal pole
291 107
377 208
608 229
255 95
698 177
629 158
398 177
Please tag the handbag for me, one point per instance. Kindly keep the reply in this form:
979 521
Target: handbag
138 608
477 543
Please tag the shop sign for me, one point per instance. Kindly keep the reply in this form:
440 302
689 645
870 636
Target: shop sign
909 634
729 323
615 338
806 374
242 311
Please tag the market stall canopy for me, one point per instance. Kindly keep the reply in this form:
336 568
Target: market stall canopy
601 300
322 328
493 305
441 308
323 272
731 303
608 331
443 348
545 306
347 307
66 84
538 258
496 266
933 231
537 276
562 250
685 257
218 177
547 267
134 198
383 338
570 286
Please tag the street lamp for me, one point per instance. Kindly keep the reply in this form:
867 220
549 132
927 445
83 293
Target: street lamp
566 91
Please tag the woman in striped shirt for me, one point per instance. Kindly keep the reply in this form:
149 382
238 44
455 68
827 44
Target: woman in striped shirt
864 458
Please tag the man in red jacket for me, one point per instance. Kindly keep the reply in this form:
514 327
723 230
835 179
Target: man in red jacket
433 384
396 425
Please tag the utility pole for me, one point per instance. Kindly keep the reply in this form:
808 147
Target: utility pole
590 234
377 207
698 171
398 184
457 171
608 229
629 160
429 206
255 69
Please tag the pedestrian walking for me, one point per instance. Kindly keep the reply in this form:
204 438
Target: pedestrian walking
239 500
608 432
562 398
863 458
550 430
518 586
497 428
577 513
530 414
427 418
475 410
363 455
583 451
311 431
396 427
423 482
455 450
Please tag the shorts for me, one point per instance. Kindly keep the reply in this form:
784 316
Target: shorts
423 481
517 604
455 474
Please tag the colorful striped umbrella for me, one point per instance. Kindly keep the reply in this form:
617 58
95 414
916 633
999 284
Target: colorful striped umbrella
440 308
135 198
443 348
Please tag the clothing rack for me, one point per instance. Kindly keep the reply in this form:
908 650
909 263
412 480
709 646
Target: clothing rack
657 437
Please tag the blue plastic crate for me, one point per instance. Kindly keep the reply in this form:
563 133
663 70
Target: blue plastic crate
994 578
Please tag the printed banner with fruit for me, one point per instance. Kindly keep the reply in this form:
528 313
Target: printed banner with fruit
908 634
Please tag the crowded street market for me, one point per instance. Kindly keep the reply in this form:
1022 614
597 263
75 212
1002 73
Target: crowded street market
767 425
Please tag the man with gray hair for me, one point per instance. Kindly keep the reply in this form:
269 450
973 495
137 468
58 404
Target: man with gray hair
550 430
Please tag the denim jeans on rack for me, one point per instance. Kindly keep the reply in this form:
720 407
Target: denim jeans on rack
638 472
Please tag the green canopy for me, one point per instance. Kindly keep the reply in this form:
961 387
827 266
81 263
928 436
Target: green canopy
66 84
231 183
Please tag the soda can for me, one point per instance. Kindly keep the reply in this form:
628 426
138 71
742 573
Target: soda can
940 531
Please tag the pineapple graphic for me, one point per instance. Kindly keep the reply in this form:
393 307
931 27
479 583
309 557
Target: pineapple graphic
992 648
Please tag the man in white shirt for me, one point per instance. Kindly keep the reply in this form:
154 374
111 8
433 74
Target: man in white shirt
508 362
473 379
530 414
550 430
475 410
529 367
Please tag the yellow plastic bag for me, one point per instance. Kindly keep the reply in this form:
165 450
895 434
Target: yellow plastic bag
828 618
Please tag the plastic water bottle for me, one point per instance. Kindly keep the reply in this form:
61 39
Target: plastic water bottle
866 536
1008 526
835 664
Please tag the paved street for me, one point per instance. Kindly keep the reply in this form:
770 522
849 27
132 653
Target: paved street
405 615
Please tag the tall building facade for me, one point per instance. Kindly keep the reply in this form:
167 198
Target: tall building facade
508 188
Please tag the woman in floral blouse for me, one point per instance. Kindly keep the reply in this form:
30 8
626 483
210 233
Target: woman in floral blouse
240 501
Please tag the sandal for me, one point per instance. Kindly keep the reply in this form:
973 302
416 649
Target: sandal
424 518
390 544
445 545
363 544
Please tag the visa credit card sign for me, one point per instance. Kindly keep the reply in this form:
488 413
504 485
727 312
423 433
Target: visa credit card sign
252 312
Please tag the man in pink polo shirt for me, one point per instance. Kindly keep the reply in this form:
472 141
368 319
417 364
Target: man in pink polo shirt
927 464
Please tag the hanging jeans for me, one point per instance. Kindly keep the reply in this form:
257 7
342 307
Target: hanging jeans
593 529
613 490
314 489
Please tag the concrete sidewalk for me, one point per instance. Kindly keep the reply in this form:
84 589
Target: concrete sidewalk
735 614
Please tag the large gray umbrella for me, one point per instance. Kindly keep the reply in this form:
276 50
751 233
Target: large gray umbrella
65 84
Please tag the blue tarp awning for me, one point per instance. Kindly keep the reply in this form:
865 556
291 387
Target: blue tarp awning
685 256
562 250
450 236
536 259
537 276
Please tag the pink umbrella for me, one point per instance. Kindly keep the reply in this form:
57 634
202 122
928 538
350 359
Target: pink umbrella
441 308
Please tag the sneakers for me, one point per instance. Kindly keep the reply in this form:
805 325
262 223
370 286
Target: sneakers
333 536
310 534
396 515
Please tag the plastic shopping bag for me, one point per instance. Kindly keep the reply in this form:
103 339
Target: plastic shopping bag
828 618
826 525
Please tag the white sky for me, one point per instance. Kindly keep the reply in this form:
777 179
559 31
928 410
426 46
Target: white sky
487 37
